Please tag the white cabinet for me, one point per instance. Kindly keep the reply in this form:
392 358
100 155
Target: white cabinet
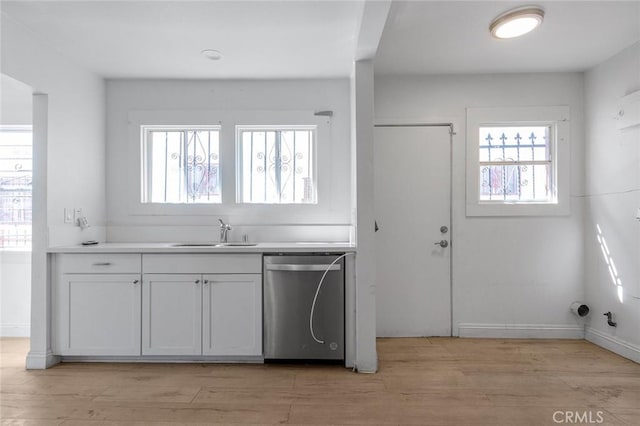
232 314
98 314
171 314
158 305
202 304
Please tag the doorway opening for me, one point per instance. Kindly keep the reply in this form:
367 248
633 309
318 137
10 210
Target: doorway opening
16 181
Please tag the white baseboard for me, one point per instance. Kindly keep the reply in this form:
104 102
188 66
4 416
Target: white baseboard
366 365
41 360
15 330
521 331
612 343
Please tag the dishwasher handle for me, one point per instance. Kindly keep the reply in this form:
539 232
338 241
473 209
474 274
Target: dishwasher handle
302 268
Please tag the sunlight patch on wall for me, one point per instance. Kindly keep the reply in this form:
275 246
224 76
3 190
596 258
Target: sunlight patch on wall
608 259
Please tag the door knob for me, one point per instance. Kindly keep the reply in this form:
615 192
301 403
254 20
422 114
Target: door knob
442 243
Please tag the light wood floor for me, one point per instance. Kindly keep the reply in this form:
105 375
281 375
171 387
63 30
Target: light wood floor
443 381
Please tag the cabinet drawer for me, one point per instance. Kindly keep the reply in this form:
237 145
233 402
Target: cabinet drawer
202 263
99 263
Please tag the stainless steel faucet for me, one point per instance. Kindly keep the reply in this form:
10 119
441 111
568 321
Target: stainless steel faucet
224 231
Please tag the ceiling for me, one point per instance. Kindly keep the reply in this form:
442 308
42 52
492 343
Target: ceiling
163 39
320 38
435 37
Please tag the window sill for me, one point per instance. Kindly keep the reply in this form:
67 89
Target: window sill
518 209
9 250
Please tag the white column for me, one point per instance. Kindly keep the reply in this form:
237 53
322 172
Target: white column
363 202
40 356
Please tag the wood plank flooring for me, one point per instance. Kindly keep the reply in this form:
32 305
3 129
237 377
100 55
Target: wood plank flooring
422 381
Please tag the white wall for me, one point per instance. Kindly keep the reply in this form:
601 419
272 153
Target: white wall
76 166
613 197
330 220
15 102
69 165
512 276
15 293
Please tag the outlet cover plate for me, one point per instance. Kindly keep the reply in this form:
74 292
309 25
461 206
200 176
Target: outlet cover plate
77 214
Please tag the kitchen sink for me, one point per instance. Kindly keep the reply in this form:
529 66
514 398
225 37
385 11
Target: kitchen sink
239 244
196 245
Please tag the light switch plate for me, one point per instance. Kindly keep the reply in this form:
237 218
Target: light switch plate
68 215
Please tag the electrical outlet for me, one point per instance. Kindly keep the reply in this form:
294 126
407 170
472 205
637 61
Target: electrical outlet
77 214
68 215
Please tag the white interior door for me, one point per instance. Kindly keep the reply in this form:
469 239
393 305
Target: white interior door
412 191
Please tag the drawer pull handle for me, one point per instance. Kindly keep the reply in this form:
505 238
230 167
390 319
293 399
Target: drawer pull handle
102 264
302 268
206 281
197 282
136 281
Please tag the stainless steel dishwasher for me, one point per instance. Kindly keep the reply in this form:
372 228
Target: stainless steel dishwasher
295 327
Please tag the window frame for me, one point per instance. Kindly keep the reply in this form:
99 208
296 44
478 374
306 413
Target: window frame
239 157
558 119
551 161
206 213
146 169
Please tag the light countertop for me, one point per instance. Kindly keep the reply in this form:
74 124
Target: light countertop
294 247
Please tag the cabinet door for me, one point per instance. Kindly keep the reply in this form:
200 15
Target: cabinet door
98 314
232 314
171 314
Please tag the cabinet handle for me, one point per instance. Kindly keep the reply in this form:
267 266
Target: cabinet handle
136 281
206 281
102 264
197 282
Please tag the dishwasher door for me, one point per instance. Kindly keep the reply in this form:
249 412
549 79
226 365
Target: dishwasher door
290 284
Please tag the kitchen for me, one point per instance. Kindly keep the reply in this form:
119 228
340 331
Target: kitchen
500 287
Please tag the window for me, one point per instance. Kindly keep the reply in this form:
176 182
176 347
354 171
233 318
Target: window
518 161
181 165
242 165
276 165
15 187
516 164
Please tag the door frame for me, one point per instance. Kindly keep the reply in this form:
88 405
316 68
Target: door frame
451 135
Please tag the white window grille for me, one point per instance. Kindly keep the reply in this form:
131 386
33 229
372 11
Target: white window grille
16 171
276 164
516 164
518 161
181 165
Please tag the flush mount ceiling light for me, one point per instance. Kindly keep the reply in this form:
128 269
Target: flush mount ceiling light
517 22
211 54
